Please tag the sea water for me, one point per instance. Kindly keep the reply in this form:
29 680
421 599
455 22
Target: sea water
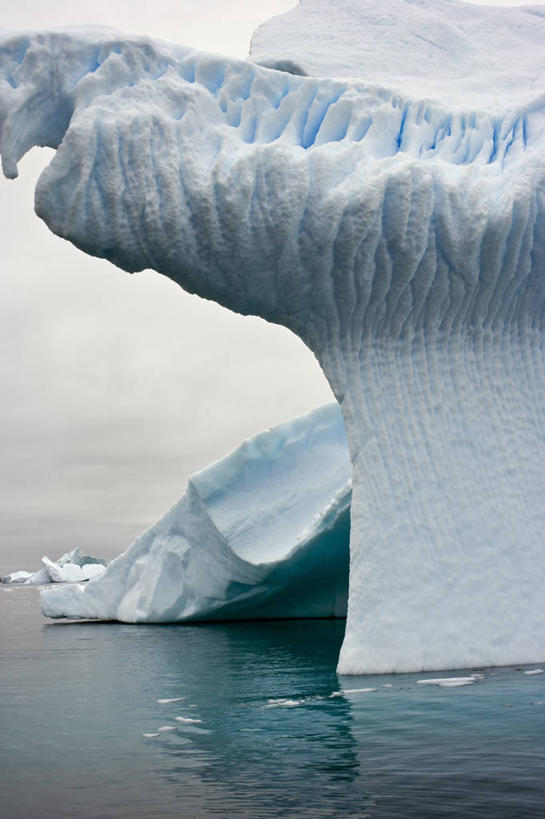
256 723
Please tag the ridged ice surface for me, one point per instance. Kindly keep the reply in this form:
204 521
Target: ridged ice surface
394 221
262 533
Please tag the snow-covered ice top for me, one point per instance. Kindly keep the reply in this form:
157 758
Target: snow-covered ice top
459 53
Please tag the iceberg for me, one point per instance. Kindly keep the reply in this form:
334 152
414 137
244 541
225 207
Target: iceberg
76 557
71 572
262 533
74 566
40 577
17 577
374 180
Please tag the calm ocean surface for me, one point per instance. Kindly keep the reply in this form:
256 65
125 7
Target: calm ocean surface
77 699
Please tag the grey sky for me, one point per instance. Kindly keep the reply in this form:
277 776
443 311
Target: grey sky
114 388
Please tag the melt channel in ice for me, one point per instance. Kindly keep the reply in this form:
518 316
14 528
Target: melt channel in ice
262 533
384 199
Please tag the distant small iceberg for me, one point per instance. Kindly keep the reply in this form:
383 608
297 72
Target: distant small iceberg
72 567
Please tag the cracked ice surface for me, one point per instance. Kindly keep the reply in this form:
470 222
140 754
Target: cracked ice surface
393 219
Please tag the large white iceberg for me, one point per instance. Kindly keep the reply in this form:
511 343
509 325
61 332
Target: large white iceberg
262 533
394 220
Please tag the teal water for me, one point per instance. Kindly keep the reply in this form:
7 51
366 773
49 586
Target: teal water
76 700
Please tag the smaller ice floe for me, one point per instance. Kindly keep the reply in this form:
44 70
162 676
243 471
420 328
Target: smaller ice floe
71 572
71 567
533 671
79 558
168 700
167 728
353 691
17 577
450 682
40 578
187 720
387 685
149 736
283 703
538 702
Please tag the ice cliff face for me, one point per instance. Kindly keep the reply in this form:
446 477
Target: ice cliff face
262 533
394 221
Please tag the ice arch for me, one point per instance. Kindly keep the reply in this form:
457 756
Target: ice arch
394 222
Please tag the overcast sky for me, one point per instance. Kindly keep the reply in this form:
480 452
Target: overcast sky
114 388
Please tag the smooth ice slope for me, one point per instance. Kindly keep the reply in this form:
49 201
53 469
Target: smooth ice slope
263 532
394 221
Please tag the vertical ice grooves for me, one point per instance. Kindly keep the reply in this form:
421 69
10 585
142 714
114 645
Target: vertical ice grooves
399 138
312 113
317 117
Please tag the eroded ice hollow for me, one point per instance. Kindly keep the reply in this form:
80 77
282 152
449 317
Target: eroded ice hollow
262 533
383 199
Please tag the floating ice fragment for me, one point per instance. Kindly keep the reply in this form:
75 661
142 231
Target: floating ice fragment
533 672
187 720
167 700
283 703
149 736
353 691
448 682
167 728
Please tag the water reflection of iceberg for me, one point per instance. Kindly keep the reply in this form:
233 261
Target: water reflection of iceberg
296 761
437 751
420 750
